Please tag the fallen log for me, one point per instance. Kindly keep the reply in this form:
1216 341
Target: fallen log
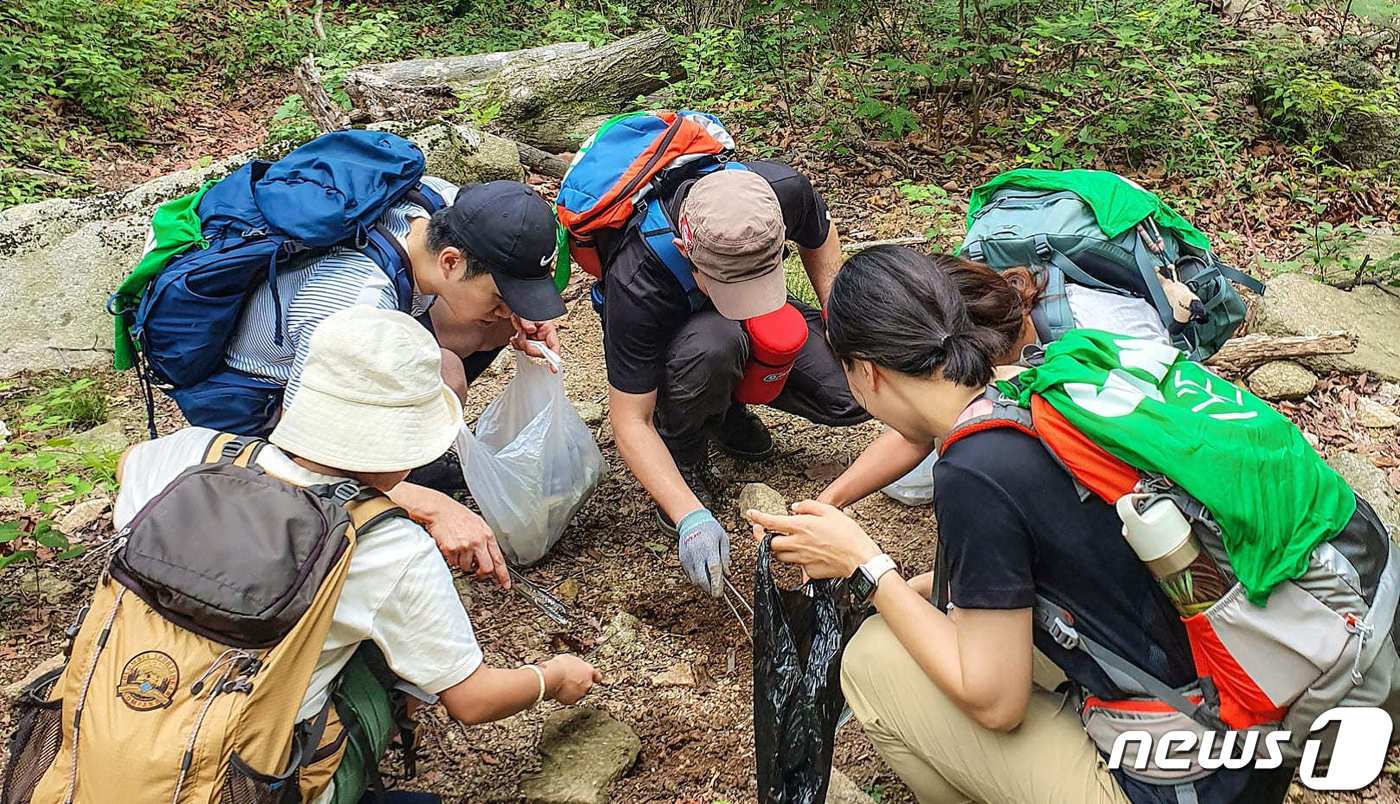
541 162
554 104
403 90
550 98
1240 355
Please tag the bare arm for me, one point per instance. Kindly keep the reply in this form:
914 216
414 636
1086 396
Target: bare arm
980 659
887 459
493 693
464 538
822 263
645 453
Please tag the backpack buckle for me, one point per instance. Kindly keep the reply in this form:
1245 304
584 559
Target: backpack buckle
345 492
1064 634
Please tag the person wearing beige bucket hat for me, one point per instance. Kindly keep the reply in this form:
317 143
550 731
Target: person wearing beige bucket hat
373 406
674 361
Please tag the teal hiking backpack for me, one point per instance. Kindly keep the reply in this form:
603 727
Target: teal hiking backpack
1099 230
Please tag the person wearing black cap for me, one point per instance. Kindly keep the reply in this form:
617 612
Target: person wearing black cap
482 271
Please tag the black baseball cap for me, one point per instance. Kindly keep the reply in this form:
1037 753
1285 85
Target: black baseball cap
507 226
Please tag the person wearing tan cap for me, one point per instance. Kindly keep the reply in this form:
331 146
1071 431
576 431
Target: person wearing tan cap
674 362
372 406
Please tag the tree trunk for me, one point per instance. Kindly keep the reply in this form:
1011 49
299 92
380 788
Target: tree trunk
542 103
401 90
1239 355
321 106
551 97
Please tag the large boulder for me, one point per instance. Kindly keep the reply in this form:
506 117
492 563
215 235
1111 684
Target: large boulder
1370 483
1297 305
60 259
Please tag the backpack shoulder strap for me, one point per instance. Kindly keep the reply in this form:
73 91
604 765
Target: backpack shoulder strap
385 250
369 508
1057 621
1004 414
658 231
659 234
231 448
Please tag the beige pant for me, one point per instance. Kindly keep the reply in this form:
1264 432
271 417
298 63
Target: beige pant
943 755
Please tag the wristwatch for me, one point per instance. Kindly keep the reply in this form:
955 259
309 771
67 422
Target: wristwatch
866 578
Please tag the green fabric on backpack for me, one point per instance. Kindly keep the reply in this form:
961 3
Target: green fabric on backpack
176 228
362 700
1118 204
1274 499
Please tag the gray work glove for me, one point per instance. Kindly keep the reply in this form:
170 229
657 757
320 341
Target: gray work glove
704 549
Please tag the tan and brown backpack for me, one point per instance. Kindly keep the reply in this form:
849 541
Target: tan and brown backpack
188 667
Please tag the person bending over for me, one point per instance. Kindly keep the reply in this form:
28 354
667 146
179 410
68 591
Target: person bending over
949 699
1001 302
373 406
672 372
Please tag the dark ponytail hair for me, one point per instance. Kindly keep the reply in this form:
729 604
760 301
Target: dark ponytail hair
997 300
903 311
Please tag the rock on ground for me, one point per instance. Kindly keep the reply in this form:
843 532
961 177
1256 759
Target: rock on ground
83 515
108 437
677 675
1376 416
1297 305
61 259
583 751
592 413
1370 482
760 497
1282 379
620 633
844 791
54 662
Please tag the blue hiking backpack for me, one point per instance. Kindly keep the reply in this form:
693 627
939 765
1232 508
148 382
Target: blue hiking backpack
262 218
622 177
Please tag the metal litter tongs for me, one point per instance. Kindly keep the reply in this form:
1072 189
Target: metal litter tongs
727 592
539 597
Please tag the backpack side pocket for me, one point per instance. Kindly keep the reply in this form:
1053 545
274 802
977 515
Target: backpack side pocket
34 744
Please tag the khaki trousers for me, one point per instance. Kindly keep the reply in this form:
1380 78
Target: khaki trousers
943 755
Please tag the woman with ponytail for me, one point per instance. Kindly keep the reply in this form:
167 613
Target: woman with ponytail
960 696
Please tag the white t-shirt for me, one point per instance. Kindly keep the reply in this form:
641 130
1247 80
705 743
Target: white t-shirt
1122 315
398 591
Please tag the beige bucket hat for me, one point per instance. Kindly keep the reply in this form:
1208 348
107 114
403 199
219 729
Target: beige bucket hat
372 397
732 228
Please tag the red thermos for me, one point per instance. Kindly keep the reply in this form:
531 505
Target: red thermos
774 341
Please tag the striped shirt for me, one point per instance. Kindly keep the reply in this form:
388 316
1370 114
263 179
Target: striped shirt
313 291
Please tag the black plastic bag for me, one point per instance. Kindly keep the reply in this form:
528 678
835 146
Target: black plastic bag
798 639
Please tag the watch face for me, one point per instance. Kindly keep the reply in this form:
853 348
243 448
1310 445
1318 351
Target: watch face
861 587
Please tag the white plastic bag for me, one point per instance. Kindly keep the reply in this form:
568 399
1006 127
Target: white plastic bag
532 462
915 488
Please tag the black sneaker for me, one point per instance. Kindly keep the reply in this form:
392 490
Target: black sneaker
701 482
742 435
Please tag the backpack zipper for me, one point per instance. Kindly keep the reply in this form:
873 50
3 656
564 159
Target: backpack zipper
236 665
82 696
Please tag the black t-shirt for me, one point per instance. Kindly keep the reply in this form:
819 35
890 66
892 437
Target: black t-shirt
1011 526
645 306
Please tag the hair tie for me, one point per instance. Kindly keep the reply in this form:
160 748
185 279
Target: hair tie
943 344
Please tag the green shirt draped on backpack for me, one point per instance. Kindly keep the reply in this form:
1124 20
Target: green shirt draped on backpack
1145 403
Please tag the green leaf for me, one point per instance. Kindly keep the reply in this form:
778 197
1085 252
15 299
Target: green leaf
19 556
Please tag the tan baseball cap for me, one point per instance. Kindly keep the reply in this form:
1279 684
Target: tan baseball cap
732 228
